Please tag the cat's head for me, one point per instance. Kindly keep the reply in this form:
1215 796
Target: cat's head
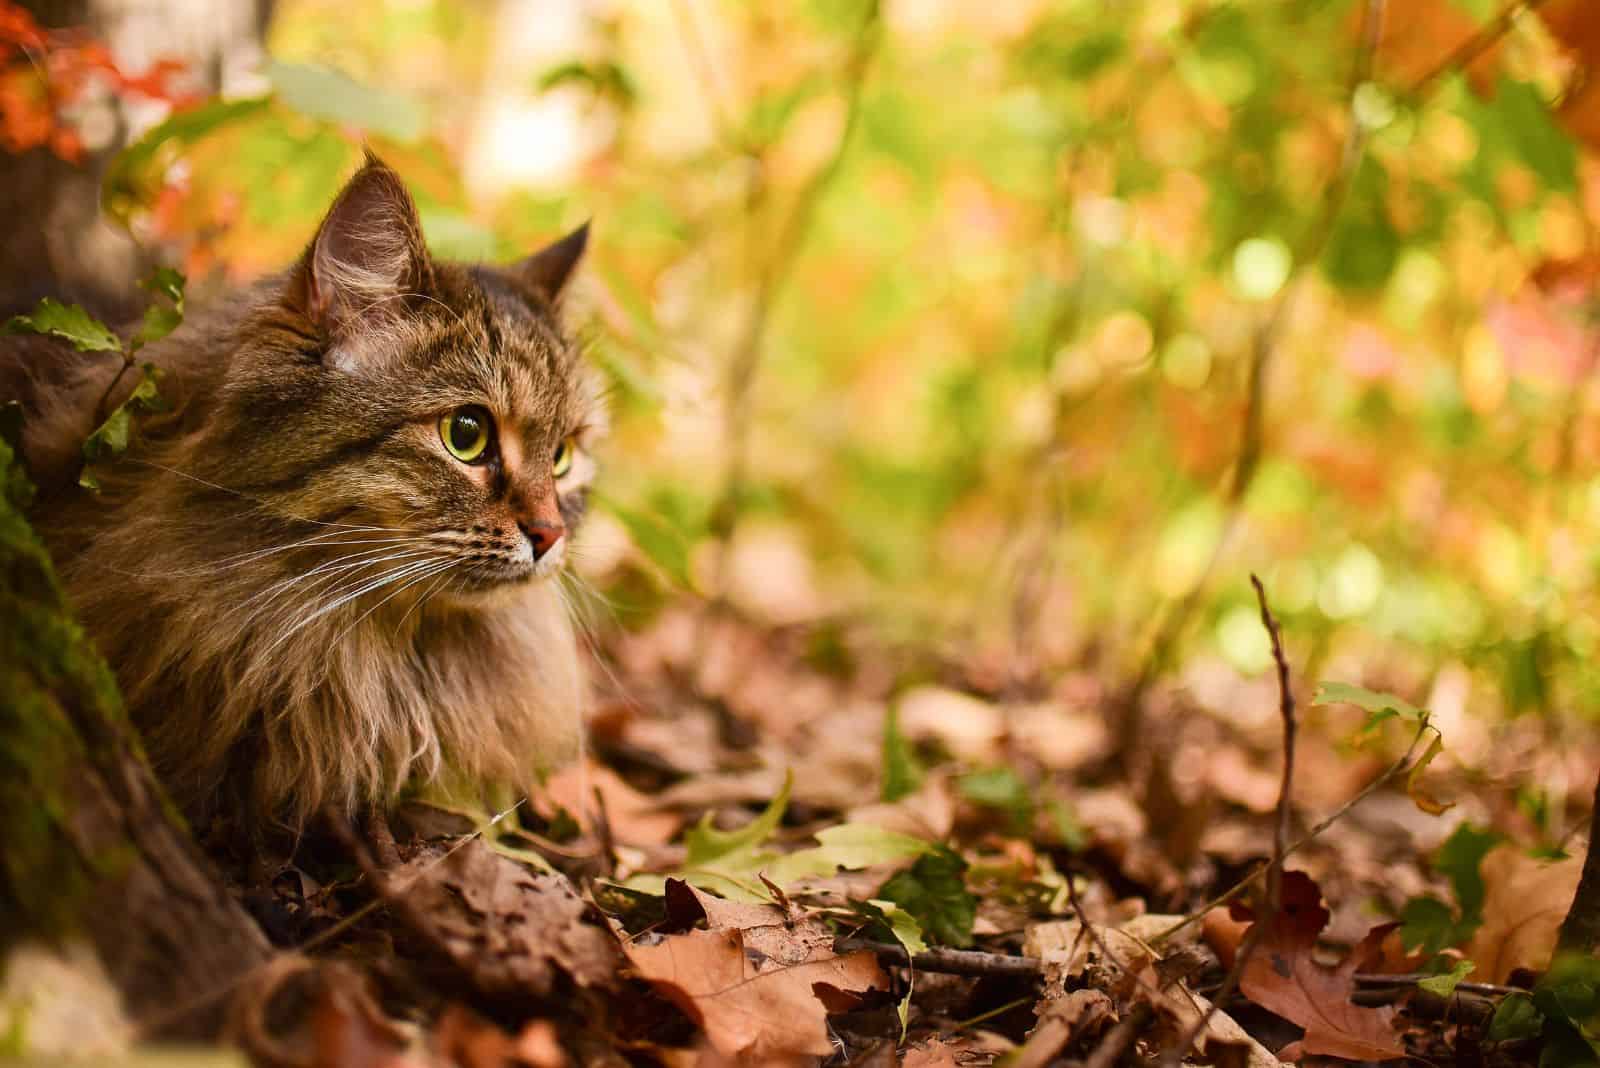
432 408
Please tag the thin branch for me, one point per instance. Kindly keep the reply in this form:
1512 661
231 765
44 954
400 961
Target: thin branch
1304 840
1264 345
1473 46
1116 1043
947 961
1280 841
1410 979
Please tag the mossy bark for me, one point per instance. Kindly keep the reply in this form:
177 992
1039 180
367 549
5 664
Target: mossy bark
88 842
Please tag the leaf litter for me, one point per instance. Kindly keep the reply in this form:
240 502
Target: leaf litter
972 898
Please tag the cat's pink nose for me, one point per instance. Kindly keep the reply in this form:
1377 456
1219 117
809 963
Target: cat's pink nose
543 535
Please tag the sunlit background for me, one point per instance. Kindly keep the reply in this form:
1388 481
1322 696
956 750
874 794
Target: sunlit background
942 318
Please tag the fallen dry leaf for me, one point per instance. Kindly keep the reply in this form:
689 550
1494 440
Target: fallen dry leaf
507 930
752 1002
1284 976
1524 902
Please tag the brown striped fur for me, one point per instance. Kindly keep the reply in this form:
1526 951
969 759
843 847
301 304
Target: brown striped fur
232 570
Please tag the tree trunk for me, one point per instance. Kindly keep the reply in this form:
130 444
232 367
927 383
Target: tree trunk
91 846
1580 932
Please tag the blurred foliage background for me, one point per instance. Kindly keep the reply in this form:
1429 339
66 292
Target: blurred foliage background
1024 330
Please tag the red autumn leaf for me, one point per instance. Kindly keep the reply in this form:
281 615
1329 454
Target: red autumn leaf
1283 975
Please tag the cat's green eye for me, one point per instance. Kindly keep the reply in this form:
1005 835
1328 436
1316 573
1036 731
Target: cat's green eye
465 433
563 461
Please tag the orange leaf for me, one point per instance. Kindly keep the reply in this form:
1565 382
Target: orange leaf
753 1003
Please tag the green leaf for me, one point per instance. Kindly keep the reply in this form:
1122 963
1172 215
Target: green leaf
604 78
1428 924
1071 829
706 844
1570 991
1516 1017
934 892
1532 133
847 845
1373 701
325 93
1445 985
903 927
138 171
111 437
1459 859
68 322
902 773
160 319
1002 789
166 282
662 544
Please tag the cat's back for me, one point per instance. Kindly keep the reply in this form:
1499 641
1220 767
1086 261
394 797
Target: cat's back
52 382
65 393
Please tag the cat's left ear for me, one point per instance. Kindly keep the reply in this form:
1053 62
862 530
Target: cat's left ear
547 271
368 258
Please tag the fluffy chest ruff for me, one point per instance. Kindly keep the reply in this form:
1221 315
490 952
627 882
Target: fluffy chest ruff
250 690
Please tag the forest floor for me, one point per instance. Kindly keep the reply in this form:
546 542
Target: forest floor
778 853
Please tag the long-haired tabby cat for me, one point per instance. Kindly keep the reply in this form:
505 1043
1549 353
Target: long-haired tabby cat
328 570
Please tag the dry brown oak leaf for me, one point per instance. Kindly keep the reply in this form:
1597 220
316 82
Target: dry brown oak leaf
1524 902
1284 976
760 981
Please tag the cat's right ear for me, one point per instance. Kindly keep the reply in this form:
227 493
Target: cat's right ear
368 259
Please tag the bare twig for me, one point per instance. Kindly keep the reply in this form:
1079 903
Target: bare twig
1115 1044
101 414
1304 840
1264 345
1411 979
947 961
1280 840
1473 46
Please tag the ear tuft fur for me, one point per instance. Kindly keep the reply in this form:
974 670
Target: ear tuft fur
368 254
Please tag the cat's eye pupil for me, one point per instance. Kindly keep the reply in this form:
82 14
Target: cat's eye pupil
465 433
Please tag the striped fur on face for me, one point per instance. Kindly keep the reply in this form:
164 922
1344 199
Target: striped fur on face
311 592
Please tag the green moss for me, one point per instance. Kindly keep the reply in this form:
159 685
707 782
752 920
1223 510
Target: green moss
59 708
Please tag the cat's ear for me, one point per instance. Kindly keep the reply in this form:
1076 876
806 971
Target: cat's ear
547 271
368 256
